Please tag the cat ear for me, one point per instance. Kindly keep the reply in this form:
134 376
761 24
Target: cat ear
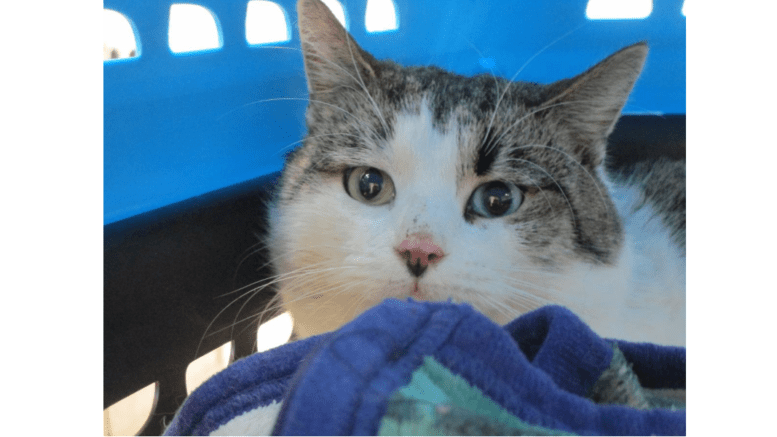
332 57
590 103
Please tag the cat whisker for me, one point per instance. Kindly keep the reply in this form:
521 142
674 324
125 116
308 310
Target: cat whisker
517 291
301 99
531 299
207 328
561 189
499 306
312 289
575 161
294 281
272 306
530 113
510 82
277 303
290 146
303 271
252 250
256 102
570 157
358 79
539 188
336 66
345 288
525 301
490 69
274 260
528 291
231 326
254 293
364 87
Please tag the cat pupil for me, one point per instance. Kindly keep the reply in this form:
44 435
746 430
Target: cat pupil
370 183
497 198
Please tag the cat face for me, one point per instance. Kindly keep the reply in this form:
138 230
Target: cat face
416 182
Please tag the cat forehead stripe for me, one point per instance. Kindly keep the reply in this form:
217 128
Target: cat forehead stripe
487 153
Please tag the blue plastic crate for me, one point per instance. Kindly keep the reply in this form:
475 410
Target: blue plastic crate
181 125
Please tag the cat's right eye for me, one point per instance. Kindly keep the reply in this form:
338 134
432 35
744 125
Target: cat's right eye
368 185
495 199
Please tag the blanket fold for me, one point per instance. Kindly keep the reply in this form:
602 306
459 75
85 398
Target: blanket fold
439 368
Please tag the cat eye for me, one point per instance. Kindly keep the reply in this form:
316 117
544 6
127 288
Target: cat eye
368 185
495 199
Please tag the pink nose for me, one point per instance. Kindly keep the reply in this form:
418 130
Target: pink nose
419 251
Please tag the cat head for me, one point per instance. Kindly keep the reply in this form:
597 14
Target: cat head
417 182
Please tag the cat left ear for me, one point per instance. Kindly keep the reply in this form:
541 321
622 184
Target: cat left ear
332 57
590 103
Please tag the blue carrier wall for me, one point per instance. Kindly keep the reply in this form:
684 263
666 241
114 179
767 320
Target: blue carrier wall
181 125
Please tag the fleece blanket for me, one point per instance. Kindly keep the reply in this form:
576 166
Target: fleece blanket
437 368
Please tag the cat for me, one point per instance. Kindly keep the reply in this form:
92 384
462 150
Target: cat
415 182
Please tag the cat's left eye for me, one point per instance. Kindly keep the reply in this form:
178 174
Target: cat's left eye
368 185
495 199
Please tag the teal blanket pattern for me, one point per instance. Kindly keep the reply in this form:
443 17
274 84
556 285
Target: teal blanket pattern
437 402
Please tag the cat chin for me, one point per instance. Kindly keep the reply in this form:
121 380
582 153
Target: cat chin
327 312
314 320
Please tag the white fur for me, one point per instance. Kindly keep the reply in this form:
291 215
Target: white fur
485 264
655 303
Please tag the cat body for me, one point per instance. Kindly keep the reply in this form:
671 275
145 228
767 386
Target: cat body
414 182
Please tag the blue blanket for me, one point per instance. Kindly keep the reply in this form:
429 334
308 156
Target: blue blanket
407 367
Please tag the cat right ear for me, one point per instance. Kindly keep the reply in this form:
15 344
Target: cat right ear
590 103
332 57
